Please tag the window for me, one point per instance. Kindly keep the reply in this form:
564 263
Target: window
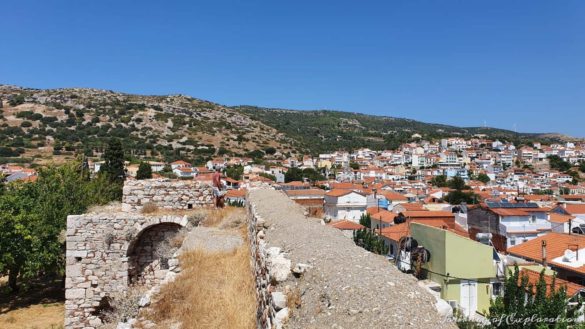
532 219
512 241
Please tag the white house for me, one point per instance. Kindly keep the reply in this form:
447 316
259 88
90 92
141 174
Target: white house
345 204
156 166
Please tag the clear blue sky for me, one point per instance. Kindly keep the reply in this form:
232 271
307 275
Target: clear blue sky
456 62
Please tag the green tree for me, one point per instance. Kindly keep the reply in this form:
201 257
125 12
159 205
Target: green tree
354 165
527 304
582 166
484 178
144 171
270 150
114 160
235 172
33 217
293 174
457 183
439 181
368 239
557 163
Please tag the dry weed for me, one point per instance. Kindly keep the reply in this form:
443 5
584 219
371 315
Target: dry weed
124 306
149 208
293 299
214 290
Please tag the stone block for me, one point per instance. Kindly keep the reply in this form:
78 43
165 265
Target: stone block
76 293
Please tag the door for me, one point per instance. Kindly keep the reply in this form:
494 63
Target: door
468 301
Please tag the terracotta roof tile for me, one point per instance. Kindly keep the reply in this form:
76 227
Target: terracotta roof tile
346 225
556 245
428 214
560 218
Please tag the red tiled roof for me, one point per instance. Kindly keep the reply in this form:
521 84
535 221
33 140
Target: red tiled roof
398 231
346 225
385 216
575 208
428 214
412 206
236 193
392 196
296 183
341 192
560 218
556 244
305 192
509 212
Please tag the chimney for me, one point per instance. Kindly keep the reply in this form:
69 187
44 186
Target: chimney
544 252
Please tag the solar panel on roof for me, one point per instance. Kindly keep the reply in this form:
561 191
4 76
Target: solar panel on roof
509 205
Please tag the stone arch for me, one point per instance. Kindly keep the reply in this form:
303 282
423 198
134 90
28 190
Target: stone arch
151 254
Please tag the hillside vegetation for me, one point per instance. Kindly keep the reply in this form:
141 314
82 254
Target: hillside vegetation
57 124
65 122
324 130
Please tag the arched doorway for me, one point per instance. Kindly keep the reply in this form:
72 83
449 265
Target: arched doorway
151 252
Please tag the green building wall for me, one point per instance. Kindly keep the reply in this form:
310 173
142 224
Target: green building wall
453 257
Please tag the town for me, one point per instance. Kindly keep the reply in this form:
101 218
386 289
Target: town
457 213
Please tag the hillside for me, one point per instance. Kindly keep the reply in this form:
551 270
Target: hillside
326 130
57 124
63 122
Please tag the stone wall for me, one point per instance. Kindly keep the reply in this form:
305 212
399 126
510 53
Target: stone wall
265 312
166 193
102 247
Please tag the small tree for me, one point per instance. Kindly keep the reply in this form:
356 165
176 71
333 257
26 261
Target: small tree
144 171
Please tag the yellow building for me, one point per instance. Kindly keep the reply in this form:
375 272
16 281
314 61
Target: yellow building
465 269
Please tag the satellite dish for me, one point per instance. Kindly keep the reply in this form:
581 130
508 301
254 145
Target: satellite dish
568 256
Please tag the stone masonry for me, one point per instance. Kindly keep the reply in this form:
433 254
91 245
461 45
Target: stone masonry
109 251
166 194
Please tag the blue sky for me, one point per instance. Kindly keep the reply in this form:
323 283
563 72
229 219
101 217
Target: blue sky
461 62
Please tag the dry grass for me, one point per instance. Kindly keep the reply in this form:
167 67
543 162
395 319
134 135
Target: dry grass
293 299
214 290
40 316
114 206
39 306
149 208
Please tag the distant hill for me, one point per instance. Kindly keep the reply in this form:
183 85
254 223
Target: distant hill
57 124
329 130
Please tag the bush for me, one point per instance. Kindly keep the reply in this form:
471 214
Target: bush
26 124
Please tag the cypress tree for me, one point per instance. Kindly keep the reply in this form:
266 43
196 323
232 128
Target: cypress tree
114 160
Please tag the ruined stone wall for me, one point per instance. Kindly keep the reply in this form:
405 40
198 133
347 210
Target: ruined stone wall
101 247
265 312
166 193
